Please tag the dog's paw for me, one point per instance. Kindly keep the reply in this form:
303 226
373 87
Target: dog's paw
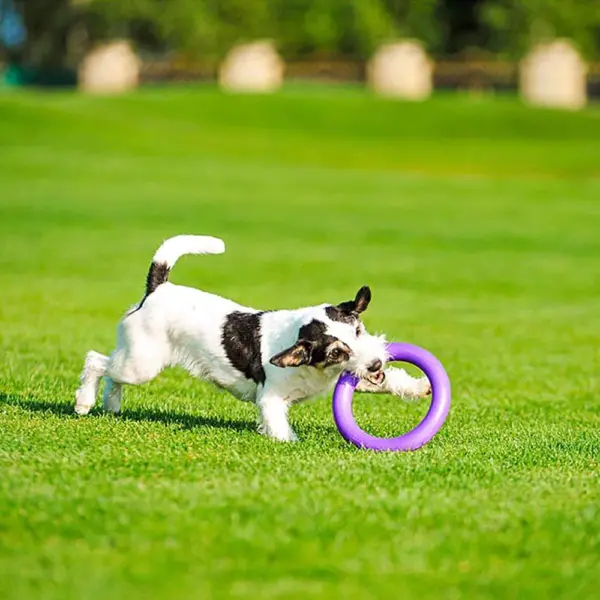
290 437
418 389
423 387
83 403
83 409
278 436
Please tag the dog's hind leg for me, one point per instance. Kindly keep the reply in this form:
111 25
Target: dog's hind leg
131 365
113 393
93 370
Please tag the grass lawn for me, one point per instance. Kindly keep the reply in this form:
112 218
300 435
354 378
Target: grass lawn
477 224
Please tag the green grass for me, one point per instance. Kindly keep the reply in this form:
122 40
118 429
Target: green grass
477 224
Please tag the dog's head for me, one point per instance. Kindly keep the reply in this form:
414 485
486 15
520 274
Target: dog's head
337 340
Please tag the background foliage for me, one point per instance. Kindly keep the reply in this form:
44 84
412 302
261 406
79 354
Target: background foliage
60 30
299 27
514 25
208 28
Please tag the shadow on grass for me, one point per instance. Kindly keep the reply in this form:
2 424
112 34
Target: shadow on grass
184 421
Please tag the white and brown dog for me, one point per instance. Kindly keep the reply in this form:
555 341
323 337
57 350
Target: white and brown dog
272 358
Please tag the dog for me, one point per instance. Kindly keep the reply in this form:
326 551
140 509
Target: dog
273 358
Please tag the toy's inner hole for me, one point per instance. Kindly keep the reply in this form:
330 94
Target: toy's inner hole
384 415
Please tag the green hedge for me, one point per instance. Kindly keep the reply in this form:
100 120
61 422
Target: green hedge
326 28
515 25
300 28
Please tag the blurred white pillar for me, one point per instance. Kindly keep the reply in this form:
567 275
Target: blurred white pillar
255 67
401 70
554 75
109 69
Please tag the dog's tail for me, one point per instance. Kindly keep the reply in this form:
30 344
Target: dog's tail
172 249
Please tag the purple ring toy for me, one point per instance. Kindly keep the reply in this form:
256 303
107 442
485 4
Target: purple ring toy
424 431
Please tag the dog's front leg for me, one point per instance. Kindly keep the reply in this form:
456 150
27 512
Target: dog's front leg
398 382
273 416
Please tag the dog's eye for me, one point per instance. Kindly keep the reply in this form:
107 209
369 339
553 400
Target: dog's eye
335 353
358 330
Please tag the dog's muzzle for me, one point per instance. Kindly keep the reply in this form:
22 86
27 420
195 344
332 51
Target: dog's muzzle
376 378
376 374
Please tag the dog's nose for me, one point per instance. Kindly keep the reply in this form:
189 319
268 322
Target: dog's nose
375 366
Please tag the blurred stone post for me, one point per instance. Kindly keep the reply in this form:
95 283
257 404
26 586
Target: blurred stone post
252 68
401 70
111 68
554 75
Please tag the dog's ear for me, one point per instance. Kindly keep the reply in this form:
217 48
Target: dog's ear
363 298
295 356
360 303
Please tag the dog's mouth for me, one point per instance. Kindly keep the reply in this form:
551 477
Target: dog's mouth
376 378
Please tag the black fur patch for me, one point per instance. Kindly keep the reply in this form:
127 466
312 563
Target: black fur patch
157 275
241 341
335 313
314 348
314 332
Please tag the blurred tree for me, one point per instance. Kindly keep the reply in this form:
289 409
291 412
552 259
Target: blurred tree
58 32
515 25
331 28
36 40
463 29
420 19
45 30
208 28
41 33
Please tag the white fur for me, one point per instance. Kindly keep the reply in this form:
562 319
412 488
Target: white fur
170 250
177 325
